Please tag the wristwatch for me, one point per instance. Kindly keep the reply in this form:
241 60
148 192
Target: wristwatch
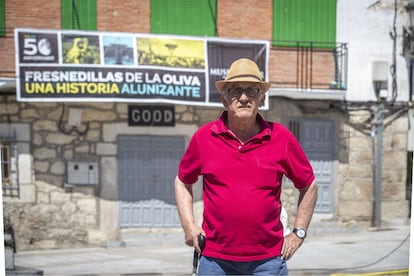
300 232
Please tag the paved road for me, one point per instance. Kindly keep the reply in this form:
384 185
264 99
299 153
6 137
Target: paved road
363 252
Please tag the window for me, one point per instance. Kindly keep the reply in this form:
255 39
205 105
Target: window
184 17
78 14
294 127
2 18
9 173
304 21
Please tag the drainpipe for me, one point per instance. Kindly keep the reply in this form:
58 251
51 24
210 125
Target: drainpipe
411 267
380 83
2 260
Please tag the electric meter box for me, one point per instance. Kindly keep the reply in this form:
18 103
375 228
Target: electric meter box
82 173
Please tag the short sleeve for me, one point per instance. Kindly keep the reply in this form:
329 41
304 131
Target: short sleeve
190 165
299 169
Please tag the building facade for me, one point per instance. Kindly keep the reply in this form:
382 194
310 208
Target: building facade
322 89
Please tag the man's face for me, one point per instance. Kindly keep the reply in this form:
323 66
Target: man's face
243 99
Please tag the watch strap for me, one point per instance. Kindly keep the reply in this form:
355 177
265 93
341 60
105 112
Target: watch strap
300 232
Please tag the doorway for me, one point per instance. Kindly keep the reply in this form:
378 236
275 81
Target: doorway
147 166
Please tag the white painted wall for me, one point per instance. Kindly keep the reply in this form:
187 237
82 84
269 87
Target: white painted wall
365 25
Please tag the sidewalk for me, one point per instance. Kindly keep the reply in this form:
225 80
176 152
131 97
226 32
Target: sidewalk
365 252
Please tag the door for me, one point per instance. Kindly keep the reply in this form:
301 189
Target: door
317 140
147 166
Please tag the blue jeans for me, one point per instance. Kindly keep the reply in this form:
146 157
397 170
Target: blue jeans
213 266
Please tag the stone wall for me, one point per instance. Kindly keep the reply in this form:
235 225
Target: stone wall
56 219
49 214
353 165
355 191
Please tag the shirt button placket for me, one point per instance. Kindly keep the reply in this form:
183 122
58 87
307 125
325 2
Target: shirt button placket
239 152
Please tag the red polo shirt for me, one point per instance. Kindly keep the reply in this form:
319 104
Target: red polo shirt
242 186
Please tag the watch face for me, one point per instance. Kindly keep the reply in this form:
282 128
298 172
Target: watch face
300 233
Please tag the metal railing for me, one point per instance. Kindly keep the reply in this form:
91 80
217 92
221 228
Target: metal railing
9 167
308 65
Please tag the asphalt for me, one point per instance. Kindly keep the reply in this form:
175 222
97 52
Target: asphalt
368 252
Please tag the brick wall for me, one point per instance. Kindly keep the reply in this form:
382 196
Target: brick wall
25 14
131 16
244 20
287 67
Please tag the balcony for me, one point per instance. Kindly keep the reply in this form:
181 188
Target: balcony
308 70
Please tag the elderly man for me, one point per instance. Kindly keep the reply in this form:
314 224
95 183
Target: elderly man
242 159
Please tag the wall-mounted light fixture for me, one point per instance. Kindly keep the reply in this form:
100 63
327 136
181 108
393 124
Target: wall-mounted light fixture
380 71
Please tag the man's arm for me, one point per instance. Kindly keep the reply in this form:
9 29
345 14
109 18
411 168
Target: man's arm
184 199
306 206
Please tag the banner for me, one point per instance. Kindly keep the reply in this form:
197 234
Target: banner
80 66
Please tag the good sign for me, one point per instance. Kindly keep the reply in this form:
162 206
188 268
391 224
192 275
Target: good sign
147 115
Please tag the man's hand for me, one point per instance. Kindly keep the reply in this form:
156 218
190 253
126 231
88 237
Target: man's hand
191 237
306 205
184 199
291 243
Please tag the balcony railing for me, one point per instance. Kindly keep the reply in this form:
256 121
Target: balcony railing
308 65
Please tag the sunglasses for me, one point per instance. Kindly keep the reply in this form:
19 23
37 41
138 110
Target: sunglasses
250 92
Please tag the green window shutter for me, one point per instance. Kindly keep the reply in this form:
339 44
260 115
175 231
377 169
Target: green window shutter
304 21
78 14
2 18
184 17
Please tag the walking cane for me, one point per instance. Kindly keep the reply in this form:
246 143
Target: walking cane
196 258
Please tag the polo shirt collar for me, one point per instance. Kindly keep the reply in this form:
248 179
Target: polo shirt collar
219 126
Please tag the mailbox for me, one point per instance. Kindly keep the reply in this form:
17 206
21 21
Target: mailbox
82 173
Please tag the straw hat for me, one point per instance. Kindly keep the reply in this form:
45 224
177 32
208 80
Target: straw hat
243 70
